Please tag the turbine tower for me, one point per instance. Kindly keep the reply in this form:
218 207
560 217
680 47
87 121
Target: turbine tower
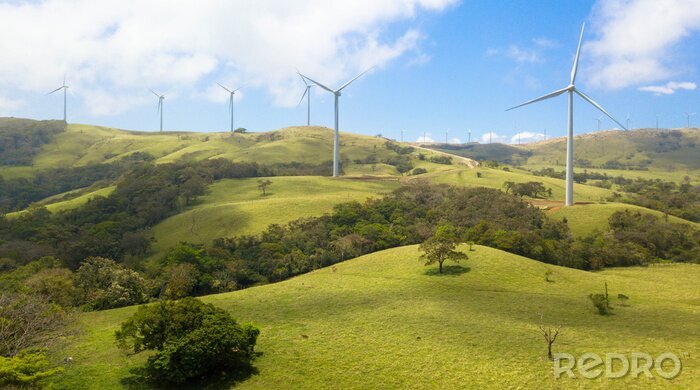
160 97
571 89
336 136
598 119
230 101
307 93
63 87
628 121
469 136
689 114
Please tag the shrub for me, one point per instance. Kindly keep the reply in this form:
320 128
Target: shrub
25 369
419 171
105 284
190 339
601 303
28 321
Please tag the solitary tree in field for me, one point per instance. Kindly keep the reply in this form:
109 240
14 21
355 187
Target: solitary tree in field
263 184
550 336
441 246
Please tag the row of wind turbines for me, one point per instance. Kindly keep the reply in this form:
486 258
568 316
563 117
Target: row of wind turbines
570 90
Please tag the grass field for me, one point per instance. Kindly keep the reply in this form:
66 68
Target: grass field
55 204
235 207
494 178
584 219
386 321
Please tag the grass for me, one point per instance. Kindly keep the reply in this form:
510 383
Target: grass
584 219
494 178
235 207
56 203
384 321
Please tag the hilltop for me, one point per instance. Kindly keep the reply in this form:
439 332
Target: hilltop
385 320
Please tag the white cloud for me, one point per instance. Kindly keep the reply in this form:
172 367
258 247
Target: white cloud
636 38
118 48
544 42
493 138
518 54
425 138
669 88
525 137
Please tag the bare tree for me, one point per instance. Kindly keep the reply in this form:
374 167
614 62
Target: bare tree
550 336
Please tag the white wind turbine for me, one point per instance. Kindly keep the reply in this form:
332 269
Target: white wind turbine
336 137
160 97
598 119
307 93
571 89
63 87
688 115
230 101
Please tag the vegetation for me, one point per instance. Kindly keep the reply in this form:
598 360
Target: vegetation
21 139
190 339
315 327
441 247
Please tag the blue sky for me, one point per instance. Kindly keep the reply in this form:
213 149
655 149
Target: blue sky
442 65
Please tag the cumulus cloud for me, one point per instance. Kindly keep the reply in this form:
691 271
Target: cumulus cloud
493 138
117 48
525 137
425 138
7 105
636 38
669 88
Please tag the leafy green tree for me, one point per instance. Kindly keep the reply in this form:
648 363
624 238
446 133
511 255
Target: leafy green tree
441 247
189 338
263 184
25 369
104 284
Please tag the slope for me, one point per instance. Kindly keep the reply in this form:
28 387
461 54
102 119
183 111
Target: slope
386 321
236 207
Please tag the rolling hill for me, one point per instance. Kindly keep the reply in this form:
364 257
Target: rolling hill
384 320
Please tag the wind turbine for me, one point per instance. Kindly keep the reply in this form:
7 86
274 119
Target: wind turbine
160 97
446 133
469 137
230 101
598 119
571 89
63 87
336 137
689 114
628 121
307 93
402 131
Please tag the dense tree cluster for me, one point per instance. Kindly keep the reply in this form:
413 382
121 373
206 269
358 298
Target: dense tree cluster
21 139
681 200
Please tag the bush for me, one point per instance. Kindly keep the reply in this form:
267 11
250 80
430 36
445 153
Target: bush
190 339
600 301
105 284
419 171
25 369
27 321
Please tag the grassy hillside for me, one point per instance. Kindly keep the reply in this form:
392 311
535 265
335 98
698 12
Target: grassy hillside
235 207
67 201
657 149
584 219
386 321
506 154
80 145
494 178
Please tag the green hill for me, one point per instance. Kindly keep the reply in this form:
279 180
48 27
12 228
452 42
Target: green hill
236 207
386 321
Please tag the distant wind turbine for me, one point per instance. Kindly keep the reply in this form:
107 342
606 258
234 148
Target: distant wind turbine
230 101
63 87
307 93
402 131
446 133
628 121
571 89
160 97
336 138
689 114
598 119
469 137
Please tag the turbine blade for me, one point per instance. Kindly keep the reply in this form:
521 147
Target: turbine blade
57 89
598 106
545 97
154 92
578 52
227 90
239 88
358 76
302 96
302 78
317 83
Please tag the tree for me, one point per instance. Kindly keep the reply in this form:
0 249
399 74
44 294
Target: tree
441 246
550 336
263 184
181 279
28 321
189 338
105 284
623 299
25 369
